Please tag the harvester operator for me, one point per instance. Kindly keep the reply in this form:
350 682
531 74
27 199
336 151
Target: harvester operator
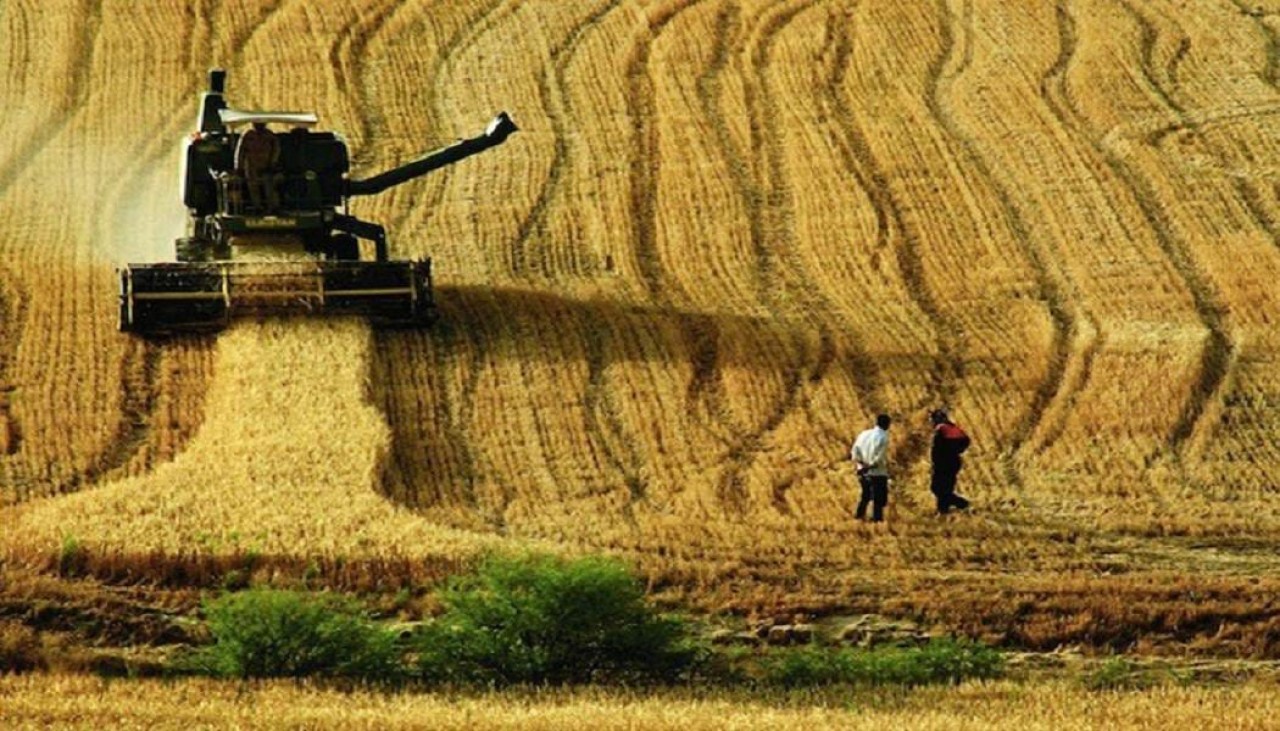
257 158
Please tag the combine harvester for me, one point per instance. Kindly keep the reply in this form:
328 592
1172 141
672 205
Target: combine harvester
279 239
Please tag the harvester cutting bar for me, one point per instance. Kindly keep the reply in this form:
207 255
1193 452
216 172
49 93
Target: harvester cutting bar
178 297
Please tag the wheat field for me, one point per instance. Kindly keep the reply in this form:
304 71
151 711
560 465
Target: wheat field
71 702
727 234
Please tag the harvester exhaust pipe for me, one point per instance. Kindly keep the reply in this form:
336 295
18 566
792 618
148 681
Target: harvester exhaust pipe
213 102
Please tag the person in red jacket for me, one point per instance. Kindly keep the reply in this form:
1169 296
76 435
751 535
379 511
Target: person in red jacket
949 442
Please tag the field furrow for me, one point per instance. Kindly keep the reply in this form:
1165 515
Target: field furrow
727 234
535 252
1050 284
1201 135
996 337
1218 348
1146 359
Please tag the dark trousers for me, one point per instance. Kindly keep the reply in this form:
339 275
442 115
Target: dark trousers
943 487
875 490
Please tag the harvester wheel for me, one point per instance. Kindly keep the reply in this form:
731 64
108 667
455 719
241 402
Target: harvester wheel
344 247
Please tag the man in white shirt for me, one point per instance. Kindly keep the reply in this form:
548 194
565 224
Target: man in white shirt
870 454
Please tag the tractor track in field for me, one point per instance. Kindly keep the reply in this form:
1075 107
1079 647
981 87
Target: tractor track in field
1175 61
701 333
705 385
505 493
347 54
1072 389
605 427
602 414
865 373
1054 287
78 91
14 295
1272 71
559 108
452 414
644 188
772 230
457 425
644 162
465 37
536 213
892 233
1218 353
1248 192
143 392
473 463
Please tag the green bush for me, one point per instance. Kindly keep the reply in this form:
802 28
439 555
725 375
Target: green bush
262 633
1114 674
940 661
542 620
1120 673
71 557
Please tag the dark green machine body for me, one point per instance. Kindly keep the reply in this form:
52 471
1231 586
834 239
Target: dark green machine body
302 253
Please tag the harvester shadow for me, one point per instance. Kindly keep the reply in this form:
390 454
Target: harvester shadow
439 386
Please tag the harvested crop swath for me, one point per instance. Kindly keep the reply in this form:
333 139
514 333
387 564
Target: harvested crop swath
287 461
90 182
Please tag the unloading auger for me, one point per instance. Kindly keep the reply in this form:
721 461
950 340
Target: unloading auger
268 232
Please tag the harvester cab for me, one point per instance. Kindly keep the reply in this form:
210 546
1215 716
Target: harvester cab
268 230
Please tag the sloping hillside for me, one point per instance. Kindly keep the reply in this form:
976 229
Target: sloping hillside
726 236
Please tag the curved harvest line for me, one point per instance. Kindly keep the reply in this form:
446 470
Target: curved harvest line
853 153
892 234
456 427
346 54
1053 287
559 109
641 105
142 397
1218 352
464 38
1271 73
76 97
770 209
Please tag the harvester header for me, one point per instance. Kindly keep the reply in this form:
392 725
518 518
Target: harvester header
268 231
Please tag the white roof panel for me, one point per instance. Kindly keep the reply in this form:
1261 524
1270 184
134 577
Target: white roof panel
234 117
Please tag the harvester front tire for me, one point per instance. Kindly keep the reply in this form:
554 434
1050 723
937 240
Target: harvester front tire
344 247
